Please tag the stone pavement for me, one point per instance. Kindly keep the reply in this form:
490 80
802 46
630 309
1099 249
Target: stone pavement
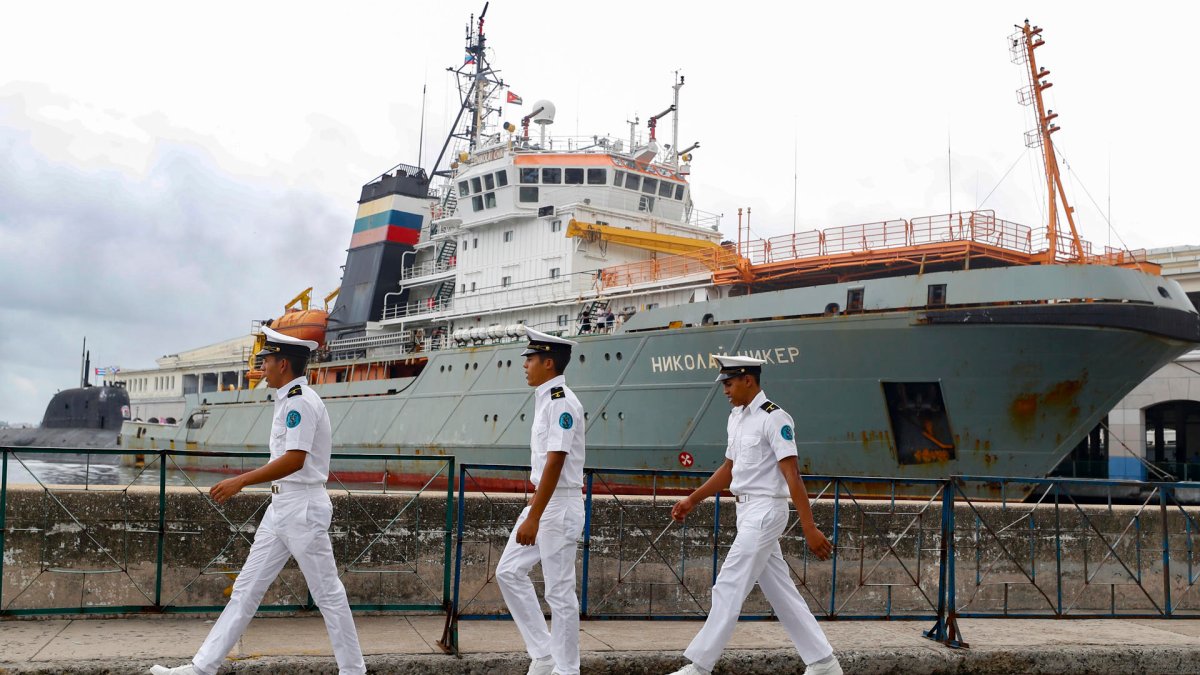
407 644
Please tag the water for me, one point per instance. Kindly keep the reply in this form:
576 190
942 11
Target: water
77 470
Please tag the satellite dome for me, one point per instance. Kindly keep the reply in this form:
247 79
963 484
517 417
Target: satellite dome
546 116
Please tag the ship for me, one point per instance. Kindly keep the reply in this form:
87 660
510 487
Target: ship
952 344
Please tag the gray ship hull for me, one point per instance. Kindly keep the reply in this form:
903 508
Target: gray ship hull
1019 388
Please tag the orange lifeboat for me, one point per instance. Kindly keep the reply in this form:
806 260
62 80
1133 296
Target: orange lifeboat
303 324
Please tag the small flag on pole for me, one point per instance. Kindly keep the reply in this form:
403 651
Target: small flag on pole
101 371
469 58
513 98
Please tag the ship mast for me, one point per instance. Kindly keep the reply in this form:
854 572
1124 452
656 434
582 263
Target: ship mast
478 84
1022 46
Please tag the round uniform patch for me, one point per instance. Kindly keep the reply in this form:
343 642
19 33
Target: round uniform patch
786 432
566 421
293 419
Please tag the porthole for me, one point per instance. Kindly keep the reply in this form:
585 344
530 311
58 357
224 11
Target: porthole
582 358
607 356
522 417
618 356
475 366
620 415
443 369
1163 292
500 364
508 364
585 416
485 418
450 367
604 415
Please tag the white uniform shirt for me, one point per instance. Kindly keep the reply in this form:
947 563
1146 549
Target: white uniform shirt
302 423
557 427
760 434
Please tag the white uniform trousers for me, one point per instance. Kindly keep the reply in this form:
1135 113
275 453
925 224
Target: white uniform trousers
756 556
295 524
556 545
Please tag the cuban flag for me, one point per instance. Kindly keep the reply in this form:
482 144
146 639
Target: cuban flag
101 371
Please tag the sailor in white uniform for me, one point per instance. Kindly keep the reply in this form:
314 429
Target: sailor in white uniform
297 521
762 471
549 528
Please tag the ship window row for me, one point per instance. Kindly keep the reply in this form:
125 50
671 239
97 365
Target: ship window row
559 176
488 181
648 185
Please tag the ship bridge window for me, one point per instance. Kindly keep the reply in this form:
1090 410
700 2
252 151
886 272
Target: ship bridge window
489 182
679 192
633 181
463 188
551 176
650 186
529 175
573 176
665 189
596 177
477 203
556 225
489 200
501 178
508 236
475 185
618 178
554 271
527 194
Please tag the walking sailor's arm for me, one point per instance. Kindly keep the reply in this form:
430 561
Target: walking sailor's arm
527 532
817 543
289 463
720 480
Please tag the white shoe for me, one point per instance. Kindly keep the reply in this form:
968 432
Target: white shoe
831 667
180 670
691 669
541 667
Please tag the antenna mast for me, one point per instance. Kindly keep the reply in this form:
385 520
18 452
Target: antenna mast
675 120
1022 45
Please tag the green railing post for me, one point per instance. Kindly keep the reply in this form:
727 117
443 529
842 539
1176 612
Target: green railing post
162 527
3 514
449 526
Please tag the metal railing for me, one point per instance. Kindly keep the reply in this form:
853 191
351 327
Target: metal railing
944 555
427 269
150 547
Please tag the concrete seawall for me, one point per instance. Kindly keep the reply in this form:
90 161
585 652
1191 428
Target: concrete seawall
72 549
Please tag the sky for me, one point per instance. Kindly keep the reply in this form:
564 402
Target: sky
170 172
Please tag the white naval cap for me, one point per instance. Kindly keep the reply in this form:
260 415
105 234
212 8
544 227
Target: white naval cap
542 343
732 366
278 343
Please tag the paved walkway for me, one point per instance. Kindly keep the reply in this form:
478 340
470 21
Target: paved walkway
408 645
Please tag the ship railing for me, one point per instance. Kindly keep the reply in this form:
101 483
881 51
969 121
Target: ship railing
653 270
590 144
134 531
930 550
427 306
428 268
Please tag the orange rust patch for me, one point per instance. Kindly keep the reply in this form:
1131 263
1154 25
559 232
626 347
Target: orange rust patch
1023 406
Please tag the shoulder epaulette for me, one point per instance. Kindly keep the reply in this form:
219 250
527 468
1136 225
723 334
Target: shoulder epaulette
557 392
769 407
295 391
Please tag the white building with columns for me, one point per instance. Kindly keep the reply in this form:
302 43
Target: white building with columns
156 394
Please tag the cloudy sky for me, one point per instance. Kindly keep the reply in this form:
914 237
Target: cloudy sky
170 172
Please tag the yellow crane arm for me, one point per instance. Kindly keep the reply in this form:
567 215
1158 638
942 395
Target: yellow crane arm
648 241
302 299
329 298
